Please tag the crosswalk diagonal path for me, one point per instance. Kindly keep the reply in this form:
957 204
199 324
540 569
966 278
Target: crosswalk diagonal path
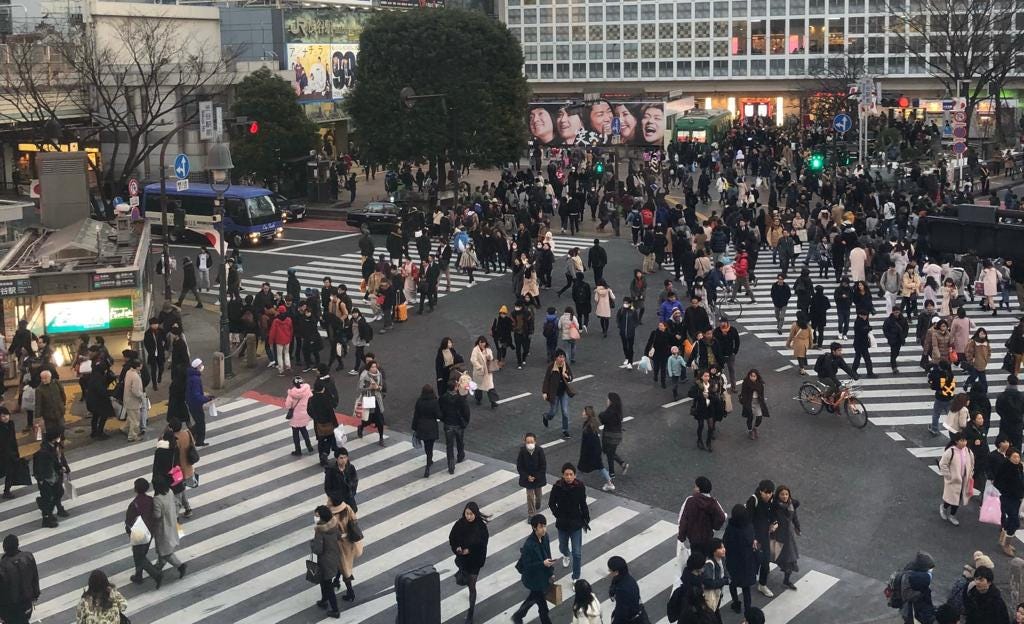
900 404
246 544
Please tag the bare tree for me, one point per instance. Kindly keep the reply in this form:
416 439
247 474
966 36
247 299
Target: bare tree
828 94
35 86
970 42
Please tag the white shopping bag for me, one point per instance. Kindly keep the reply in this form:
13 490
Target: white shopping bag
210 408
369 403
140 534
339 435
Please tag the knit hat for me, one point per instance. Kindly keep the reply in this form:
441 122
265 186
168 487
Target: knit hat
981 560
503 310
196 363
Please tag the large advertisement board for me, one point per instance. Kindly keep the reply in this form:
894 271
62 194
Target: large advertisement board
596 123
89 315
322 47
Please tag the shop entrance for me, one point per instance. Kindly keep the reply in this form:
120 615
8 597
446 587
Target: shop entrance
750 109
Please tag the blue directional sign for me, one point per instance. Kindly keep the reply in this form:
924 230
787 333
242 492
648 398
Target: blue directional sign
181 166
842 123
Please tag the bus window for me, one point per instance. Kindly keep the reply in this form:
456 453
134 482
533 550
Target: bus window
235 209
197 206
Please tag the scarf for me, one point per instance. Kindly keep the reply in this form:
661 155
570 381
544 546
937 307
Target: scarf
448 357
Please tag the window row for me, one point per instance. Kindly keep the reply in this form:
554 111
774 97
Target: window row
667 10
717 69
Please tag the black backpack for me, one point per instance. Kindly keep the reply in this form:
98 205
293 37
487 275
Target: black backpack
549 329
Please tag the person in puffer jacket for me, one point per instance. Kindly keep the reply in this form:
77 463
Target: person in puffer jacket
297 403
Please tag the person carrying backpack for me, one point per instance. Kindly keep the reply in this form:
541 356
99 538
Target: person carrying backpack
909 590
550 332
941 380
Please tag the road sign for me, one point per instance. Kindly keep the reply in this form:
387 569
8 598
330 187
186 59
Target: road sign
133 201
947 105
35 189
959 148
842 123
182 185
960 132
206 128
960 117
133 187
616 126
182 167
219 125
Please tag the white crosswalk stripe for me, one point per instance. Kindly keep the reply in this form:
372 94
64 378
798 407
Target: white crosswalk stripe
902 404
247 541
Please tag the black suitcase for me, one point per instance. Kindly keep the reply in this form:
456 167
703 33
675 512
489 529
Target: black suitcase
418 593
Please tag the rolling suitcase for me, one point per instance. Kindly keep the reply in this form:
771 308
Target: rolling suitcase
402 312
418 593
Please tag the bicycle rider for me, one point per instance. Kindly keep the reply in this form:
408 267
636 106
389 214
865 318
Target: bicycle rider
827 366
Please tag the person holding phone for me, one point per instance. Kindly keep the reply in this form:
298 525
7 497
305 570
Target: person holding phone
536 568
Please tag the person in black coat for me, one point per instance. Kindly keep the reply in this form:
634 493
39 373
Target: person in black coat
532 466
8 450
625 592
659 347
425 415
468 540
445 360
154 341
455 418
895 329
97 398
818 314
742 558
761 510
590 449
341 481
862 342
707 408
188 282
568 503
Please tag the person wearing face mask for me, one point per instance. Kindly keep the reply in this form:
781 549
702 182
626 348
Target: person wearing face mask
532 466
196 400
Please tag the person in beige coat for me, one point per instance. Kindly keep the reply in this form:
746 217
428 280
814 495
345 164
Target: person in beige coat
957 469
484 365
351 547
958 414
134 397
976 358
604 301
800 335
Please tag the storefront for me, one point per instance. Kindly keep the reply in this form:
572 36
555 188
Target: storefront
24 170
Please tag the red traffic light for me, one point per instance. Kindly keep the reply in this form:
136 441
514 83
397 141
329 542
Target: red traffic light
904 101
254 127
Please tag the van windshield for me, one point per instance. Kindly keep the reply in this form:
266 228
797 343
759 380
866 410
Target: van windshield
261 209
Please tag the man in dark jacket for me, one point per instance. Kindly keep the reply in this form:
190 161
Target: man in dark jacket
895 329
696 318
916 590
532 467
984 604
760 508
49 467
781 295
19 583
862 342
627 320
624 591
728 340
536 568
699 517
455 418
341 481
597 259
568 503
188 282
1010 407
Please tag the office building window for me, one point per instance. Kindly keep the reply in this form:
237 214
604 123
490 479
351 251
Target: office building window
777 67
530 35
836 65
878 6
757 8
544 15
917 44
815 7
917 65
579 51
757 67
562 71
647 50
796 67
629 50
665 49
611 33
613 51
562 15
739 37
876 24
836 36
512 3
649 69
629 70
562 33
547 53
684 69
739 68
562 52
701 49
856 46
721 9
816 36
683 30
647 32
579 33
876 45
721 29
701 30
702 69
702 10
530 16
596 52
856 6
876 65
684 49
797 7
596 70
739 8
778 36
666 69
797 37
648 12
530 53
897 46
856 25
721 68
531 72
684 10
597 33
777 8
547 71
612 12
666 11
757 37
579 14
545 34
897 65
629 13
613 70
515 17
721 48
836 7
815 66
665 30
629 32
595 14
579 70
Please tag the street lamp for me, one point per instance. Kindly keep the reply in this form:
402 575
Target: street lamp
218 161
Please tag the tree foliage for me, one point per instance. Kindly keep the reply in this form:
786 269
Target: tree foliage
284 133
471 59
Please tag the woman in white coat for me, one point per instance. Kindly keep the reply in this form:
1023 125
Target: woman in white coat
297 403
957 469
990 283
604 301
586 607
483 363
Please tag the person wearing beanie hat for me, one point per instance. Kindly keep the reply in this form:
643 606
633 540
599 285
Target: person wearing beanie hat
919 579
21 582
280 339
501 331
196 400
981 560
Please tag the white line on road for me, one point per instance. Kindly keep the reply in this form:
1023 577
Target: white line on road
679 402
553 443
317 242
513 398
582 377
783 368
895 436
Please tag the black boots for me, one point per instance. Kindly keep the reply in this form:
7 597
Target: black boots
349 594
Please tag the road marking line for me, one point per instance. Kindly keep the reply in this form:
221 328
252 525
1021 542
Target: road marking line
626 419
895 436
743 333
582 377
782 368
513 398
790 604
679 402
317 242
553 443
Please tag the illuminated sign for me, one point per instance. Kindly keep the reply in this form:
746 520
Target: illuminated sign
72 317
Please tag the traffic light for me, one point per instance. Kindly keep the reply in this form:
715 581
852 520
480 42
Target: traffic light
254 127
599 167
816 162
904 101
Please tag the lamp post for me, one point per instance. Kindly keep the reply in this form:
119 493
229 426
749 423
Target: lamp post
218 161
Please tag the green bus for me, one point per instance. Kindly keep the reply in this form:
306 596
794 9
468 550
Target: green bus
702 126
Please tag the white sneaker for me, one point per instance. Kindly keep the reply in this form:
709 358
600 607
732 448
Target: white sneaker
608 487
625 364
565 562
954 521
942 512
764 591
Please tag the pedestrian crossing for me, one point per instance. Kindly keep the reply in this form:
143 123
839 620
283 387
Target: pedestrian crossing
246 544
902 403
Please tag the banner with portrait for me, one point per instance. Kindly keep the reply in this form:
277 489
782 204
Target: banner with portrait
311 67
343 69
597 123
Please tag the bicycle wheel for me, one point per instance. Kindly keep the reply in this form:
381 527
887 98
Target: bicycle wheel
810 398
856 413
729 309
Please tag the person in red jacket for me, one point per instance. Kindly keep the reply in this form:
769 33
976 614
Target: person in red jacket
699 517
281 333
742 265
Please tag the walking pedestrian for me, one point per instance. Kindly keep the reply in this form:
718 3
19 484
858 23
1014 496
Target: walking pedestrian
445 360
742 558
941 380
625 592
197 401
627 319
50 467
154 341
699 517
1009 480
569 332
957 468
321 410
351 543
141 510
165 532
707 408
297 404
568 503
818 316
800 339
280 339
371 391
536 568
658 349
341 481
188 282
1010 407
586 607
862 340
531 465
468 540
611 433
753 401
983 603
557 391
522 331
483 363
97 399
326 545
425 416
501 330
167 463
455 418
9 454
784 508
638 293
780 294
21 582
604 300
975 361
919 580
590 449
134 398
760 509
101 603
186 455
895 329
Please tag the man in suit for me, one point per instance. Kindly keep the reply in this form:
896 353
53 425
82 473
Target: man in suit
430 273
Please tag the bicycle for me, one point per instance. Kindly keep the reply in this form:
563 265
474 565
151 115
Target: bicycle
726 305
812 399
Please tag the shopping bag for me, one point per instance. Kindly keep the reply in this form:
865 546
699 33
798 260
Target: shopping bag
554 594
22 473
181 531
139 534
1008 362
70 491
416 442
312 571
991 512
979 288
339 435
369 403
358 411
210 408
176 476
872 341
402 312
645 365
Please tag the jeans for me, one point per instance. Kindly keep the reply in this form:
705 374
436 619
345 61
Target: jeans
939 407
204 278
454 446
534 501
780 316
535 598
570 349
573 539
844 321
142 561
560 401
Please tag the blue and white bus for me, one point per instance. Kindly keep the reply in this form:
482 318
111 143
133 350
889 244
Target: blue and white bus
250 215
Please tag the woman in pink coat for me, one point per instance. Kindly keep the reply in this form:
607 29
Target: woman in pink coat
298 415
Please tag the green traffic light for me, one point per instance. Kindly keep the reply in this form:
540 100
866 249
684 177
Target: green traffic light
599 168
816 162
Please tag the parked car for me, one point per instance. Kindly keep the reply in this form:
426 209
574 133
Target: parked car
291 209
377 215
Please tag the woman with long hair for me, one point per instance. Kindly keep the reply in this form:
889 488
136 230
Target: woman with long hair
425 416
1009 480
800 339
590 448
351 546
784 508
371 384
611 433
752 399
586 607
468 540
707 408
447 358
482 361
956 467
101 603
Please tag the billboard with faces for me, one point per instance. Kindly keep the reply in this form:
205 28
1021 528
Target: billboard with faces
596 123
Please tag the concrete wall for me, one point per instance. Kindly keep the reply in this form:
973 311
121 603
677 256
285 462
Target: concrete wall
197 27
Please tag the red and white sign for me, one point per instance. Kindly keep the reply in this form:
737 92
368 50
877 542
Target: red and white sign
35 189
133 187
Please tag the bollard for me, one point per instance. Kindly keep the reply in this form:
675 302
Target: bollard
250 350
218 370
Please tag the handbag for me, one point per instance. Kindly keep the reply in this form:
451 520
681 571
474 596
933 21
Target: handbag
416 442
1008 362
181 531
460 578
312 571
176 476
574 331
22 472
211 409
290 414
554 594
358 412
369 404
192 455
953 357
353 532
494 366
70 491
